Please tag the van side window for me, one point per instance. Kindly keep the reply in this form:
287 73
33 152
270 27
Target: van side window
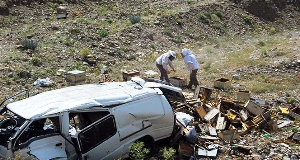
96 134
80 120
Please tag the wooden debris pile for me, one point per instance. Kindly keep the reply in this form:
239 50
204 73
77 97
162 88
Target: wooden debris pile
210 122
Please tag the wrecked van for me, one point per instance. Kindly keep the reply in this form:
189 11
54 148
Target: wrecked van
90 121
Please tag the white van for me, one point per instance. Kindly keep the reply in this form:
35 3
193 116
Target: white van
91 121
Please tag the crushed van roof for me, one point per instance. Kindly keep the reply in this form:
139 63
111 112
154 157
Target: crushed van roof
79 97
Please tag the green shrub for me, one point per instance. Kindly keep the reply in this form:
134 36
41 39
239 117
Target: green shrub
29 44
272 30
247 19
179 22
109 21
261 43
168 33
103 33
36 61
168 153
218 13
189 1
135 19
138 151
84 52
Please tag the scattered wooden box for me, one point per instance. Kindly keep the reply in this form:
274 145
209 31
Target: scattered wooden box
127 75
253 108
75 77
178 81
185 149
222 83
242 96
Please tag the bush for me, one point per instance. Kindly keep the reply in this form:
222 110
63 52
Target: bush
138 151
36 61
84 52
103 33
135 19
29 44
168 153
272 30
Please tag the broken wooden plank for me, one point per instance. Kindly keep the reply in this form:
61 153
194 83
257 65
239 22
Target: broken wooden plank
211 114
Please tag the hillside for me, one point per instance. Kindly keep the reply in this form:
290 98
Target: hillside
102 30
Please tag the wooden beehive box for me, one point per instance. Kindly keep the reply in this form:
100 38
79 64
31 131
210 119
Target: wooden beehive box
242 96
222 83
127 75
178 81
75 77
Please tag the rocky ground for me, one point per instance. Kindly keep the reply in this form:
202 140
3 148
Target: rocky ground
99 33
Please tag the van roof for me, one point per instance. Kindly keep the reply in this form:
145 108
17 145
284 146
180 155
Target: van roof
80 97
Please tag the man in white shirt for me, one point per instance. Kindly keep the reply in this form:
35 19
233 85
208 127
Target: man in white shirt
191 65
162 63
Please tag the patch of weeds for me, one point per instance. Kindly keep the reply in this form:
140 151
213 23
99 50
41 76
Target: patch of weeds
168 153
279 53
218 13
214 40
207 66
179 22
189 1
84 52
131 57
264 51
291 100
135 19
81 20
217 25
75 30
168 33
205 18
261 43
76 66
69 42
247 18
23 74
13 55
103 33
177 40
51 71
36 61
120 52
138 151
272 31
109 21
152 45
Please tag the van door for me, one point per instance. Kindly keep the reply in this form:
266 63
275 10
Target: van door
99 141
